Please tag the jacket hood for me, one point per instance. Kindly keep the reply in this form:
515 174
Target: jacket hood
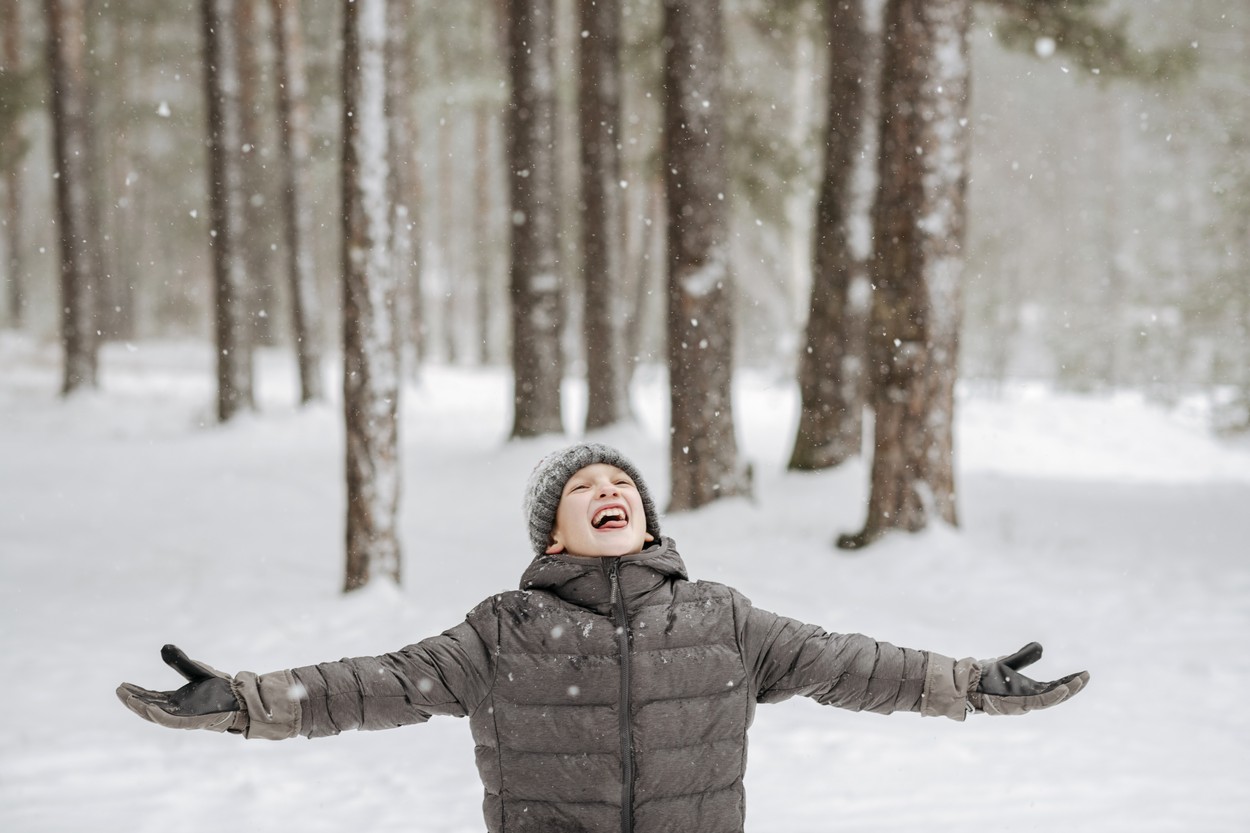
585 581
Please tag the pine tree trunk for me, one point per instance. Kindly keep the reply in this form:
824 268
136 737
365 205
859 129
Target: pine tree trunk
116 60
257 243
445 226
11 247
294 162
80 270
402 138
831 410
703 453
919 223
647 265
11 223
537 366
599 111
233 324
370 346
482 202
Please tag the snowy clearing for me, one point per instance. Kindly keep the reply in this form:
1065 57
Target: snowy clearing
1110 530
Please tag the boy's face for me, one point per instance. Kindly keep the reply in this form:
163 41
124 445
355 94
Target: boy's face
600 513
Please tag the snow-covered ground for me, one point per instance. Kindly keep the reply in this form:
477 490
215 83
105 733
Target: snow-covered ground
1114 532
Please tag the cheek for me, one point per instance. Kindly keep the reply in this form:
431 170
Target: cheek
566 514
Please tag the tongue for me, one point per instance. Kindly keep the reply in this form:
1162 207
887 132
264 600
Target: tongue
614 523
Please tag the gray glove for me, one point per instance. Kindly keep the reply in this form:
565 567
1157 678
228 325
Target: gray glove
207 701
1002 689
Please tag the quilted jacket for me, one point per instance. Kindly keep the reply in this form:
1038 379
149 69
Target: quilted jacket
607 694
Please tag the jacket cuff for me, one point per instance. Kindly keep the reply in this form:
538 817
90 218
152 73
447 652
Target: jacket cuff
271 702
947 686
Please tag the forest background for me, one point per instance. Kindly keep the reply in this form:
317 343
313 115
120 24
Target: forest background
1103 365
1090 192
1107 218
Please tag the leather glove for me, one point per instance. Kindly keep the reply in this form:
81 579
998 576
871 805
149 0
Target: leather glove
1002 689
207 701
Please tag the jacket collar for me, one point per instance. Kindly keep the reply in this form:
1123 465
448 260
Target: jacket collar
584 581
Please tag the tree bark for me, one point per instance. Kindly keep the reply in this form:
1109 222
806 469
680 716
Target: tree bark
537 366
114 58
492 40
445 249
295 148
599 114
483 260
225 132
370 346
258 242
703 452
12 247
80 269
10 152
404 163
831 410
919 222
647 264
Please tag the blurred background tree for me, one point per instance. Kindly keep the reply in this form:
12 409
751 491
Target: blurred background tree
1106 218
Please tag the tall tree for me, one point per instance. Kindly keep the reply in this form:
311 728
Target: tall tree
599 119
294 151
225 144
537 367
370 346
80 269
919 224
11 149
445 254
703 451
483 261
111 65
258 241
831 409
492 38
401 123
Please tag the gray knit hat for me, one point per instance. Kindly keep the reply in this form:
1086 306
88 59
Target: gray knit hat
546 484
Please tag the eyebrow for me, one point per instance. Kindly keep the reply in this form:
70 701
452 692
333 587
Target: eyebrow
575 480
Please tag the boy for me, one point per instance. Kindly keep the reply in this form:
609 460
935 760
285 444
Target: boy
609 692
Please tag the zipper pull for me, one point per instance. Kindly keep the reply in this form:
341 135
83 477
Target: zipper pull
614 580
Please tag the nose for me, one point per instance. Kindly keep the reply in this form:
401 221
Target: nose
607 487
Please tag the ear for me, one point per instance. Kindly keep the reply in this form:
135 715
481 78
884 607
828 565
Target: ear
557 546
648 537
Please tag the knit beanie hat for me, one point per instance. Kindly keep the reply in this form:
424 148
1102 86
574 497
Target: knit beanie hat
546 484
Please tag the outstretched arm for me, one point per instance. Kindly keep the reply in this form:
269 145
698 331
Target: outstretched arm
786 657
446 674
856 672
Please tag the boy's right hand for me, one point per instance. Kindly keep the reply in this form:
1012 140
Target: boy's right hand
207 701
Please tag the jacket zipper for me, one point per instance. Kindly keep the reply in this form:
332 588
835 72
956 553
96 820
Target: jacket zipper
627 732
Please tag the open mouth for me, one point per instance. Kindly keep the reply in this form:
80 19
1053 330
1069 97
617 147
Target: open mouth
610 517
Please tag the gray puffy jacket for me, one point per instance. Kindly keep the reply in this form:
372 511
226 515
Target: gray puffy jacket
608 694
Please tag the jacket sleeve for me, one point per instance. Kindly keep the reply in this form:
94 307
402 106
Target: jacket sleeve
785 657
448 674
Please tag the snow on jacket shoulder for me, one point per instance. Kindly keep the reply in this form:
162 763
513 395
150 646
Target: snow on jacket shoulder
608 694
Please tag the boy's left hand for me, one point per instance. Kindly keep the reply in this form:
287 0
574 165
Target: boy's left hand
1004 690
207 701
